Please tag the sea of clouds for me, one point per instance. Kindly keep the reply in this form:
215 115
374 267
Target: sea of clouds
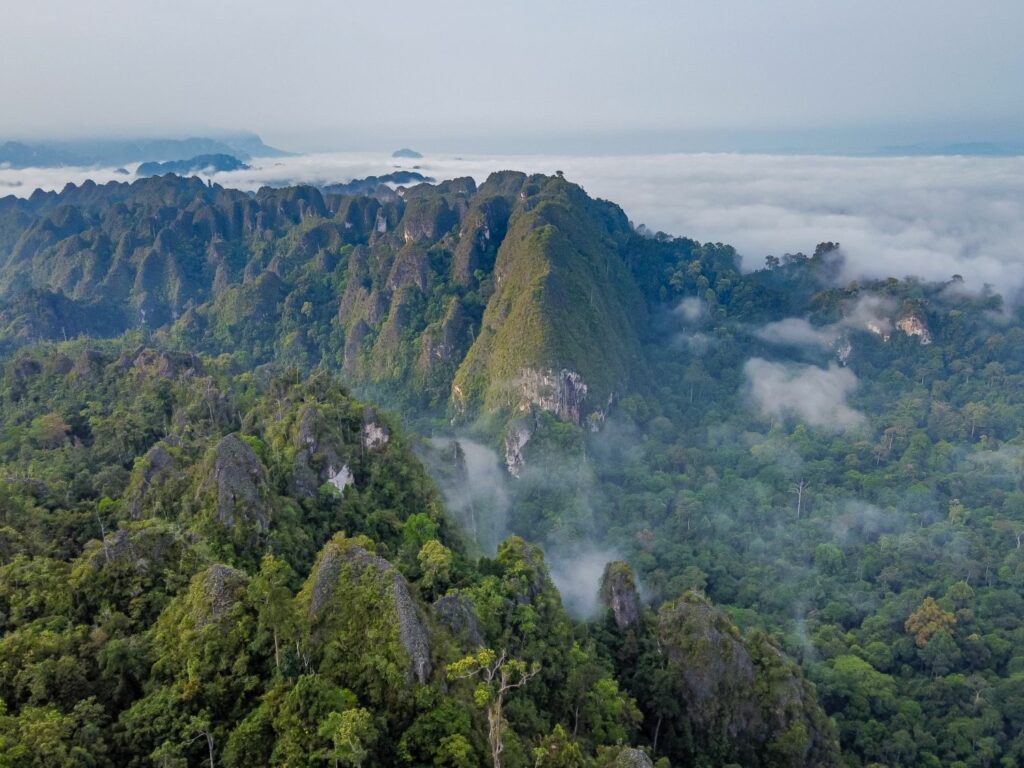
930 217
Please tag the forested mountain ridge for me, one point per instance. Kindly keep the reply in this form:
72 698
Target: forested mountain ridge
521 279
255 570
836 464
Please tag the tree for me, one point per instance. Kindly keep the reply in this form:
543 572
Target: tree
269 591
499 674
200 726
928 620
352 733
558 751
435 561
799 488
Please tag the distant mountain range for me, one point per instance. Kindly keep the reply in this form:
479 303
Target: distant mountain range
208 164
108 152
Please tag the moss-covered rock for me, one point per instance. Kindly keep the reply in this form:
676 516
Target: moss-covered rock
362 621
744 700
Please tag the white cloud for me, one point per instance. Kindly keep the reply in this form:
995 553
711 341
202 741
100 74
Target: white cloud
931 217
869 312
816 396
797 332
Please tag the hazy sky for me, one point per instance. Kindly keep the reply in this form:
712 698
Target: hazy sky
515 76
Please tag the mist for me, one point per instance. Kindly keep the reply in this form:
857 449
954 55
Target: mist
811 394
472 481
577 574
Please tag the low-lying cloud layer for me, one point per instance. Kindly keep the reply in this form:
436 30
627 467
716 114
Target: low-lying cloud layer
869 313
816 396
930 217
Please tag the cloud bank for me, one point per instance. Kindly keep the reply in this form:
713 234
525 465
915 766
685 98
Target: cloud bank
813 395
929 217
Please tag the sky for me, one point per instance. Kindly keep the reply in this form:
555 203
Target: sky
529 76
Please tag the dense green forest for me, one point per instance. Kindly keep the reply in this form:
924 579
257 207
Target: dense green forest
213 554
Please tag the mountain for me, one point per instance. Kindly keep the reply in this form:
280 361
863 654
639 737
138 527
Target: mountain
406 154
118 152
208 164
438 294
816 484
259 552
376 186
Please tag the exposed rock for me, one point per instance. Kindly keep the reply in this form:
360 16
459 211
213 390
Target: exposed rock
154 465
912 325
239 482
140 549
216 591
375 434
843 348
711 663
630 757
458 614
345 565
744 690
562 393
320 455
619 594
516 439
340 478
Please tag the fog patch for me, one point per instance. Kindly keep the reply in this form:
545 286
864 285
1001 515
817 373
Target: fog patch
816 396
690 309
577 575
474 486
797 332
869 312
860 522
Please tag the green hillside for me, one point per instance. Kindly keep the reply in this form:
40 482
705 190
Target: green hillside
817 485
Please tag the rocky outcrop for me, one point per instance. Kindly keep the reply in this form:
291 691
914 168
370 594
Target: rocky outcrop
630 757
515 441
142 549
458 614
560 392
912 325
375 434
237 481
320 457
156 465
742 696
351 589
215 592
619 594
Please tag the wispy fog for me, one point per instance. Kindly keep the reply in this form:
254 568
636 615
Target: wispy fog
894 216
816 396
577 575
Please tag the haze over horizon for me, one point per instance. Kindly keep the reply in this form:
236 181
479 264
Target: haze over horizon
796 76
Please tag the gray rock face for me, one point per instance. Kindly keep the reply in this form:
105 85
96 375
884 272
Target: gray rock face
515 441
560 392
238 480
156 463
340 565
619 594
219 590
633 758
458 614
375 434
712 663
145 550
741 688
